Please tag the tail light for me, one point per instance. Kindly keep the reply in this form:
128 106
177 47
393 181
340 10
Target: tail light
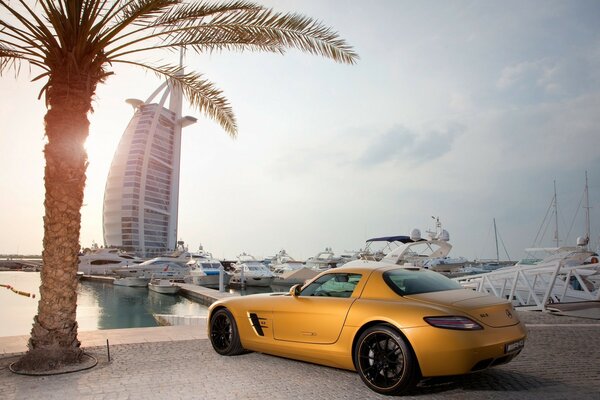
452 322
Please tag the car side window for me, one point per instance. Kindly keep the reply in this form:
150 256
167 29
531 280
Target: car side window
333 285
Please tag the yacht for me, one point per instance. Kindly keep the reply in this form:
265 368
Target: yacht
414 250
169 266
205 270
283 262
289 271
248 271
103 261
445 264
163 286
298 275
324 260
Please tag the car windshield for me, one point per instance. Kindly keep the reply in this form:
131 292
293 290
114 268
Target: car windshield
405 281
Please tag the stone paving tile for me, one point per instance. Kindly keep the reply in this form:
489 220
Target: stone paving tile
561 360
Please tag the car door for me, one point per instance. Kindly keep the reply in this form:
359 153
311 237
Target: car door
318 313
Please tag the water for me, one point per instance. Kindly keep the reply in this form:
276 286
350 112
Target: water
99 305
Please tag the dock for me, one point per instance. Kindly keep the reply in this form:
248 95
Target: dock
199 294
203 295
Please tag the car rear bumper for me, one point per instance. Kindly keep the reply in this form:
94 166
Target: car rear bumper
452 352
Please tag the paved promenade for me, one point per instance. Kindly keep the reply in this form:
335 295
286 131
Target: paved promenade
561 360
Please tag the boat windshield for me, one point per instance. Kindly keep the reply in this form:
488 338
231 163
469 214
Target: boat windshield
411 281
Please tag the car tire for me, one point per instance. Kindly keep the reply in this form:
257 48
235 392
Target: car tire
224 335
384 361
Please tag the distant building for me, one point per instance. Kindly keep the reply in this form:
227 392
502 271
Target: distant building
141 198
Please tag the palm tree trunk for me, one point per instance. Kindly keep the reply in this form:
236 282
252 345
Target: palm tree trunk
53 340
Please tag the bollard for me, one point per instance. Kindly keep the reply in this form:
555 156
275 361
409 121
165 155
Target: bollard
221 279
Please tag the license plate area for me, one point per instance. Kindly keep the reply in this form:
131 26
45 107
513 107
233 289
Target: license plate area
514 346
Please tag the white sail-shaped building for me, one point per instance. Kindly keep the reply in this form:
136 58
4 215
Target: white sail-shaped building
140 207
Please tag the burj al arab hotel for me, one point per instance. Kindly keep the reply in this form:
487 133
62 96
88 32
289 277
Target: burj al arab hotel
142 189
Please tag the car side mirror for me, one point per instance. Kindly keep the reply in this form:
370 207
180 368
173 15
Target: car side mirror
295 290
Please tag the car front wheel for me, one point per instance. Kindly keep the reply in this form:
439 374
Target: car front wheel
224 335
384 361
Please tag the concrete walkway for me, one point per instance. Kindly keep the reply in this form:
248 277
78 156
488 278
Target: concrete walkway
561 360
18 344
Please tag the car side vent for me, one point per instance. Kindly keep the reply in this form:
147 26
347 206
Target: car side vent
256 324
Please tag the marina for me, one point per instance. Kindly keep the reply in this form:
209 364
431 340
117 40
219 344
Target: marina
176 288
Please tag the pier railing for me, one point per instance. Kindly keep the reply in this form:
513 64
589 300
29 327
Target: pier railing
534 287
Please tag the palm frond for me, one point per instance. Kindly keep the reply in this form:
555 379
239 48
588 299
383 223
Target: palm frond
34 33
8 59
19 41
89 35
188 13
202 46
128 14
201 93
143 12
290 30
253 28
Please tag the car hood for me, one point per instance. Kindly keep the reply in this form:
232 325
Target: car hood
482 307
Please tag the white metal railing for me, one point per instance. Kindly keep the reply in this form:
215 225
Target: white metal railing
533 287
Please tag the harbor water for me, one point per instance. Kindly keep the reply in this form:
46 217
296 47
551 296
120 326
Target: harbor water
100 305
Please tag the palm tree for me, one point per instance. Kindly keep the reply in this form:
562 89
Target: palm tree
75 44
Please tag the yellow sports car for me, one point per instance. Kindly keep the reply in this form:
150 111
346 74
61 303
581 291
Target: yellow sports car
393 325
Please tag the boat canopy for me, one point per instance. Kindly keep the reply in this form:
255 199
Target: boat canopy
390 239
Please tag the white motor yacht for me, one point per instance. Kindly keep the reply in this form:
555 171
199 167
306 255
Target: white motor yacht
103 261
248 271
294 276
167 266
283 262
163 286
289 272
324 260
205 270
414 250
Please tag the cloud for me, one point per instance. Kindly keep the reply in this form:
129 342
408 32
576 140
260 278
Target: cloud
542 73
400 144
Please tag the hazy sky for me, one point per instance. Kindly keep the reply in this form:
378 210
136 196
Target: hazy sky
466 110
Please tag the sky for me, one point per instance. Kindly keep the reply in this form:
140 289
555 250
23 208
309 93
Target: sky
468 111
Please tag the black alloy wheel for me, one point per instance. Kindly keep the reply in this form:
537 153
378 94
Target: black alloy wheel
384 361
224 335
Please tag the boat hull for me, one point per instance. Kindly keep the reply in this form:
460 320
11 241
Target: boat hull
131 282
207 280
258 281
167 289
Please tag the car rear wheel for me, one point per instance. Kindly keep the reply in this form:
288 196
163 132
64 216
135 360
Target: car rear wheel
384 360
224 335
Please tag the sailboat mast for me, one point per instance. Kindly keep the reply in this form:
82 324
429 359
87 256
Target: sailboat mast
587 210
555 215
496 236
